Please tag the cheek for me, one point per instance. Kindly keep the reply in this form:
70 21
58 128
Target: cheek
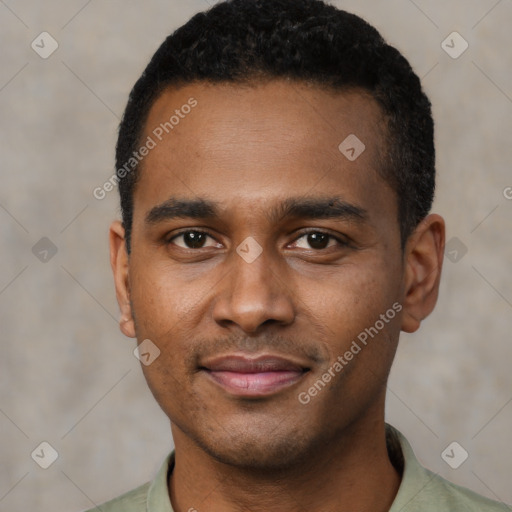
162 300
351 299
167 311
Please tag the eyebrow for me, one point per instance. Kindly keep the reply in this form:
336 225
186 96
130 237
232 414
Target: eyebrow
332 207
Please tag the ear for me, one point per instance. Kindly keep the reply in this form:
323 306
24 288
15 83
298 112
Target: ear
424 255
120 268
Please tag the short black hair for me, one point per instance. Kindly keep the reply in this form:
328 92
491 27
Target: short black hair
243 41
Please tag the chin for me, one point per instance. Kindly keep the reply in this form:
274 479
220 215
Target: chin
252 456
255 449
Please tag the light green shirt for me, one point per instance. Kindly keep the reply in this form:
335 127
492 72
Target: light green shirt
420 489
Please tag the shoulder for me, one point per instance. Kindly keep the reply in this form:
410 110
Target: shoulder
422 490
152 495
445 495
132 501
451 497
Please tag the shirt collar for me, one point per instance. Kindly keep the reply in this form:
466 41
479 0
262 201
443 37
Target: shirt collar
158 499
415 478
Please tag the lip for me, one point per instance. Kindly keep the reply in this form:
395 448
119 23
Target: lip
258 376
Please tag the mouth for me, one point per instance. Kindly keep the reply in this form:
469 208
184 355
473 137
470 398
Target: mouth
259 376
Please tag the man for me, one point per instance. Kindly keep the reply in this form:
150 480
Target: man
276 169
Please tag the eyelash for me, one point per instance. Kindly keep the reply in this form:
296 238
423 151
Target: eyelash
341 242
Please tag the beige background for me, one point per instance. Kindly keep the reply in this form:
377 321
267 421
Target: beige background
68 376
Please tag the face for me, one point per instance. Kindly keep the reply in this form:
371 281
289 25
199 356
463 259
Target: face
260 254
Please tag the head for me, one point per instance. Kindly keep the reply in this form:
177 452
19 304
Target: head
280 209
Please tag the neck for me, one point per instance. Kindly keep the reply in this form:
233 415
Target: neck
354 474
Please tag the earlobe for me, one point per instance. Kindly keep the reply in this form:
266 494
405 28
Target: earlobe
423 259
120 267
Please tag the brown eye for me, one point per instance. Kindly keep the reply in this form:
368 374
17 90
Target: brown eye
191 239
318 240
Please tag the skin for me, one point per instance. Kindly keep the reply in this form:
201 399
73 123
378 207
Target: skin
249 148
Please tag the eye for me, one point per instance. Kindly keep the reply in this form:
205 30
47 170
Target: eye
192 239
319 240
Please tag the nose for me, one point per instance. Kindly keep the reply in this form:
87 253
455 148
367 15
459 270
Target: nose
253 294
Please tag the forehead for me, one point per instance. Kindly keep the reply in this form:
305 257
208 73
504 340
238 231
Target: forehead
249 144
